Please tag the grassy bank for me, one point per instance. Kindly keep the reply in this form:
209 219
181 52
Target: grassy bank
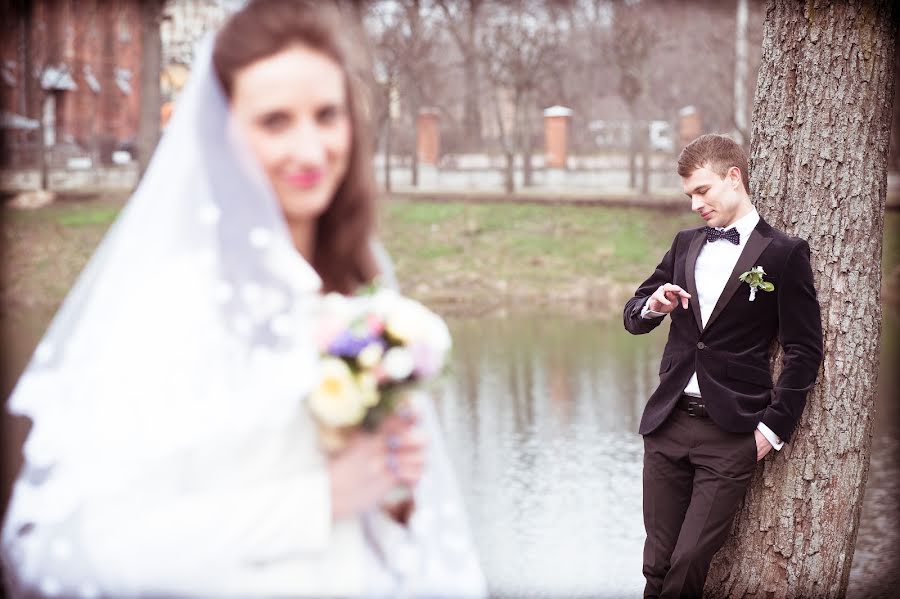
466 257
463 257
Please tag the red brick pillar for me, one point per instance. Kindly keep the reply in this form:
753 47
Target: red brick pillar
428 137
556 136
689 125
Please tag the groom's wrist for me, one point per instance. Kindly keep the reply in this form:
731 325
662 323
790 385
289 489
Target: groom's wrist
647 313
773 439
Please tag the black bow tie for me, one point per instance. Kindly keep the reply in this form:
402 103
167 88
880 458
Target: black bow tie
731 235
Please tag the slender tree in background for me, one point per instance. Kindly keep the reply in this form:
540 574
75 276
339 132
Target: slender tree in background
462 22
820 135
520 48
151 94
386 38
632 46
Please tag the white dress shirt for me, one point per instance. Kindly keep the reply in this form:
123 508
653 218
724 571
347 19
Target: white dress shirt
714 265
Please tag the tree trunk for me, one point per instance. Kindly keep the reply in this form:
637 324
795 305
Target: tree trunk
151 95
821 126
740 72
515 137
34 95
387 147
29 89
509 179
414 166
633 127
463 28
894 155
646 151
471 110
525 142
44 148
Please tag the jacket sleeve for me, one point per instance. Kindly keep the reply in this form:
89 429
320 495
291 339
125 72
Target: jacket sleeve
664 273
800 336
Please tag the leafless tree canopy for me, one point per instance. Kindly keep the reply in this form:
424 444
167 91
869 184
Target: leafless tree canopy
489 67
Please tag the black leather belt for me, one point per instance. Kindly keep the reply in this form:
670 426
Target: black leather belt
694 406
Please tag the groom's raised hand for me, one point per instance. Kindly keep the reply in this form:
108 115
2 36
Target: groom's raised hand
666 297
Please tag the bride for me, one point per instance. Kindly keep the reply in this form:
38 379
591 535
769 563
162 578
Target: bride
171 453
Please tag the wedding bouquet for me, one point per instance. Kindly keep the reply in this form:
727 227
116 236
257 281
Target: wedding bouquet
374 347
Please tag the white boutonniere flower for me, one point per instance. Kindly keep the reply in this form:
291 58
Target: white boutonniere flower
754 278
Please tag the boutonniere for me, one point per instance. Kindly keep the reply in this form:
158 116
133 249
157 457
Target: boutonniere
754 278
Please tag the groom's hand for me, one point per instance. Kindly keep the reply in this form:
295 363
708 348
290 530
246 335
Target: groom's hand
666 297
763 447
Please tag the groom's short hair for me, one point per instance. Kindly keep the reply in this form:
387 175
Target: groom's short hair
716 152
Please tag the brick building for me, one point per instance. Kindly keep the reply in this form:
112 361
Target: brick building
184 24
73 65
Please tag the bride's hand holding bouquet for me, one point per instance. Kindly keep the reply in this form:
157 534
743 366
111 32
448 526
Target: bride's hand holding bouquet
376 347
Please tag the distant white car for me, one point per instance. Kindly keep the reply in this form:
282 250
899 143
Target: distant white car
121 157
661 137
614 133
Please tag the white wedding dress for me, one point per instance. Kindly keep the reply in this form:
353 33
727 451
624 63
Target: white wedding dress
171 453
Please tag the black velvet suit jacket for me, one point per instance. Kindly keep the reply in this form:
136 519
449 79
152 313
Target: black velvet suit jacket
731 354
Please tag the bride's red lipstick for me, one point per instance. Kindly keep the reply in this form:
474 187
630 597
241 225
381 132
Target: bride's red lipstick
305 179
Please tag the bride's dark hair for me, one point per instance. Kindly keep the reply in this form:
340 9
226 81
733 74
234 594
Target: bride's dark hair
343 257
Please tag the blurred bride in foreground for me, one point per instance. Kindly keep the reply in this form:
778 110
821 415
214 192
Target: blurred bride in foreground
172 452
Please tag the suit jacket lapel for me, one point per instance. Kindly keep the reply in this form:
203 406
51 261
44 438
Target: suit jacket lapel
689 264
756 243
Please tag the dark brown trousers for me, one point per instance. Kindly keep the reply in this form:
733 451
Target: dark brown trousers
695 476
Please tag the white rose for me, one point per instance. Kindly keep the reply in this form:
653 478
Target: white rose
398 363
406 320
370 355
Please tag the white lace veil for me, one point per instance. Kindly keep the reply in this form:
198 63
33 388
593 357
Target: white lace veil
177 365
189 325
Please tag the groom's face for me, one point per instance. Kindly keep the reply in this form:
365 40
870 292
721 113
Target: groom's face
716 199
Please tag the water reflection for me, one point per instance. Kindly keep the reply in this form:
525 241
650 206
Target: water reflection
541 415
876 562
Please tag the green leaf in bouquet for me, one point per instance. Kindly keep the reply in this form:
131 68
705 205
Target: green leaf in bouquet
387 404
369 288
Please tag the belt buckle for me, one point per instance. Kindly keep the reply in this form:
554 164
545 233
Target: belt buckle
691 407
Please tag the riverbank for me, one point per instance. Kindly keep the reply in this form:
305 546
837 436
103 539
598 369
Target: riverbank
469 258
466 257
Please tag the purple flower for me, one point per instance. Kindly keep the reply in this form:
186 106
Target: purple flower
348 344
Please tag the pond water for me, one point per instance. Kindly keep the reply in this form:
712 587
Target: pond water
541 413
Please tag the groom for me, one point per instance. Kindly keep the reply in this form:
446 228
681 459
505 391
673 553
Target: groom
716 412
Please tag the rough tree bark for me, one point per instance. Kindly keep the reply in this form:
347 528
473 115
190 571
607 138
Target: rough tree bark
821 127
740 72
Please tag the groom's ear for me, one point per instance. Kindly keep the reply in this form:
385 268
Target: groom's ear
735 177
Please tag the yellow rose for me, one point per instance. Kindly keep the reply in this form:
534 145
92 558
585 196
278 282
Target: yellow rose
337 400
368 386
